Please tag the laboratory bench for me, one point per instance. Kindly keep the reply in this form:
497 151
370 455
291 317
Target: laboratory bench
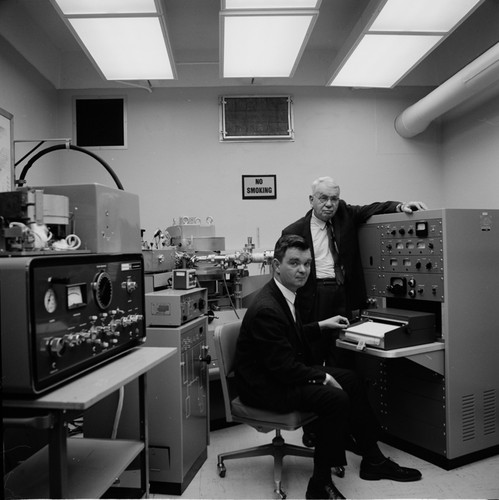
77 467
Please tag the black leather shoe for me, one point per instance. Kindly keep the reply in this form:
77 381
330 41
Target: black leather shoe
388 469
321 491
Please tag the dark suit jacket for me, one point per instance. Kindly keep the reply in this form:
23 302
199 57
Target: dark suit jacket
273 354
346 223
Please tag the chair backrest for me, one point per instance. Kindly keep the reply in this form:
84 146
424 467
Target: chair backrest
225 338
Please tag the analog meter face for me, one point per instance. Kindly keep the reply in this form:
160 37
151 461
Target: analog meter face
76 296
50 301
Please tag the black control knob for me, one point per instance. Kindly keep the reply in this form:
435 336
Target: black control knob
204 357
429 265
73 339
129 285
56 346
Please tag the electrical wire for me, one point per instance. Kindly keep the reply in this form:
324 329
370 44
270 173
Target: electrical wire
229 296
119 409
138 86
57 147
32 150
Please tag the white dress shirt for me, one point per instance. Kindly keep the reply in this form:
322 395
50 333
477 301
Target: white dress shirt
289 296
324 263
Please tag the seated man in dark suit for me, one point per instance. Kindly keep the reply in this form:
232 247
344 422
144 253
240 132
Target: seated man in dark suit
275 370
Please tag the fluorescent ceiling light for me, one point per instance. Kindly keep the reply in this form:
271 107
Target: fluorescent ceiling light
72 7
114 45
379 60
270 4
261 45
125 39
393 37
422 15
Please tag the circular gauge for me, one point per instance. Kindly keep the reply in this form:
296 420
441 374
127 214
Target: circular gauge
50 301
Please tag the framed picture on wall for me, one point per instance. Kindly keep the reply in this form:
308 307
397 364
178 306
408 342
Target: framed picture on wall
6 151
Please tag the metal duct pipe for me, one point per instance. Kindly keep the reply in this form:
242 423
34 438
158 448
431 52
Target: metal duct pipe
474 78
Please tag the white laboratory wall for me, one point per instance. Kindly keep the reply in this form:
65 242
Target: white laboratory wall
471 158
178 167
33 102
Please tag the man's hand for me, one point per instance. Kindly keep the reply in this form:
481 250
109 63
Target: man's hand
330 380
411 206
335 322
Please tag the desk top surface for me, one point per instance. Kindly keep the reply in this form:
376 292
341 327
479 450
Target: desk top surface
85 391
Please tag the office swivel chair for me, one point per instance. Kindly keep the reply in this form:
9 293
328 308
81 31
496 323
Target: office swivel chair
262 420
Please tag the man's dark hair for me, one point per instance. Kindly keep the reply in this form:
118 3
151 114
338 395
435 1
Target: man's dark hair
289 241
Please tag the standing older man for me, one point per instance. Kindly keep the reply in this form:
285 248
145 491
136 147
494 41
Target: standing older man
336 283
275 370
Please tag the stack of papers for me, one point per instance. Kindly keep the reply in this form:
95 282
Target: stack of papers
371 329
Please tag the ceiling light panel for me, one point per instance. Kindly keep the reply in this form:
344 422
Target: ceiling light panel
422 15
270 4
263 45
77 7
381 60
125 39
392 37
126 48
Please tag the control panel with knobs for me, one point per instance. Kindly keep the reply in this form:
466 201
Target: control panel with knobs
66 314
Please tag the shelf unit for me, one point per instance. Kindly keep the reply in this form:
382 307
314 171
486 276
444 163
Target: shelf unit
62 469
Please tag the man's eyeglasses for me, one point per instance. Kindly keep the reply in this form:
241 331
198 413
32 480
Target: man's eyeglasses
323 199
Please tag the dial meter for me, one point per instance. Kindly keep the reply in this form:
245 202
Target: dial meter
50 301
76 295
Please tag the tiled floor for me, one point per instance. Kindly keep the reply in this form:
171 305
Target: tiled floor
252 478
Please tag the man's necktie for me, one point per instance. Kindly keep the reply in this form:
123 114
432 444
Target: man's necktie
299 327
338 271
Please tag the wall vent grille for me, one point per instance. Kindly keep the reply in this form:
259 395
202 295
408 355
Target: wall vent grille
256 118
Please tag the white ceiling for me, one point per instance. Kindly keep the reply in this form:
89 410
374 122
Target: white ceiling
35 30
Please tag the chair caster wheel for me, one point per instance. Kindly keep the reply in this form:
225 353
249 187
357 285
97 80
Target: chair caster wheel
340 471
221 469
280 494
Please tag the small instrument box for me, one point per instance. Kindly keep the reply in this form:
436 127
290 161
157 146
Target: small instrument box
184 279
175 307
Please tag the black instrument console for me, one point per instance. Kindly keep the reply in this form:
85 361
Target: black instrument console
63 315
